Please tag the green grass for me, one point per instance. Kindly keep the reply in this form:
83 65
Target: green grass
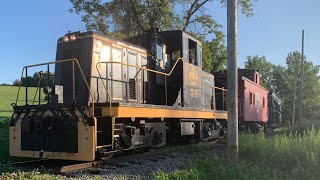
295 154
286 156
32 175
283 156
4 141
212 167
8 95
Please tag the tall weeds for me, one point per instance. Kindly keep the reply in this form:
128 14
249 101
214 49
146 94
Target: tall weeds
294 155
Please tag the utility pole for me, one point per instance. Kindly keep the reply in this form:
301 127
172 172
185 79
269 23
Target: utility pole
301 80
232 46
294 102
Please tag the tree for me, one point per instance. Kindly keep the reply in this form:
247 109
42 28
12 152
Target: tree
263 66
33 81
281 79
311 86
125 18
5 84
214 56
128 17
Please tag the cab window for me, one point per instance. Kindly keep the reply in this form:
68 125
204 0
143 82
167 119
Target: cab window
192 52
199 55
159 48
185 49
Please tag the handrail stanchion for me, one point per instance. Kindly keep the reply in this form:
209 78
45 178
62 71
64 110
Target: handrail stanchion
224 98
127 89
48 70
26 84
56 62
73 85
212 101
40 74
143 88
130 65
165 89
107 82
18 94
98 96
223 92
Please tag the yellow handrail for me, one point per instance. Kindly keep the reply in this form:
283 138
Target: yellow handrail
141 68
56 62
137 67
222 89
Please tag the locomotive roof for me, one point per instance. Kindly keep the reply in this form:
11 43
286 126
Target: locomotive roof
172 32
93 33
169 34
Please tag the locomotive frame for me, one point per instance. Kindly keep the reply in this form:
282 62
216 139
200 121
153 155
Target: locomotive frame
119 96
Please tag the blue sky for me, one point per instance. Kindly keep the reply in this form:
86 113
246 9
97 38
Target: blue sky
29 31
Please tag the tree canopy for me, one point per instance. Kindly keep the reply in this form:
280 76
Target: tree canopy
282 80
126 18
34 80
262 65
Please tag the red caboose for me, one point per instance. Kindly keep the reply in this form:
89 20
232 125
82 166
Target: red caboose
253 98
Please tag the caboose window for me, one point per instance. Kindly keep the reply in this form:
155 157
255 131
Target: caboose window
263 101
251 96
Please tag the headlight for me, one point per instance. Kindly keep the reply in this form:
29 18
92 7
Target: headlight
73 37
65 38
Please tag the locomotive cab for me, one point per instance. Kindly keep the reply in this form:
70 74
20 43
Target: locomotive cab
188 85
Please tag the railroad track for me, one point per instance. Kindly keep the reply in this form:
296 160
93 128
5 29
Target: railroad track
59 166
114 161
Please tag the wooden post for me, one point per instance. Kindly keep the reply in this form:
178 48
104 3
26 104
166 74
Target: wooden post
301 80
294 103
232 99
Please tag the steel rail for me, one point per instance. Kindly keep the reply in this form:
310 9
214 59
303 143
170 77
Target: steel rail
165 151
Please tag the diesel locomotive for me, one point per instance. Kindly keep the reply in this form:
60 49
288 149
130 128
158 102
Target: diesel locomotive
106 95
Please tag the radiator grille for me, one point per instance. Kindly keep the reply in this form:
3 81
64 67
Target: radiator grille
132 89
145 91
66 71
